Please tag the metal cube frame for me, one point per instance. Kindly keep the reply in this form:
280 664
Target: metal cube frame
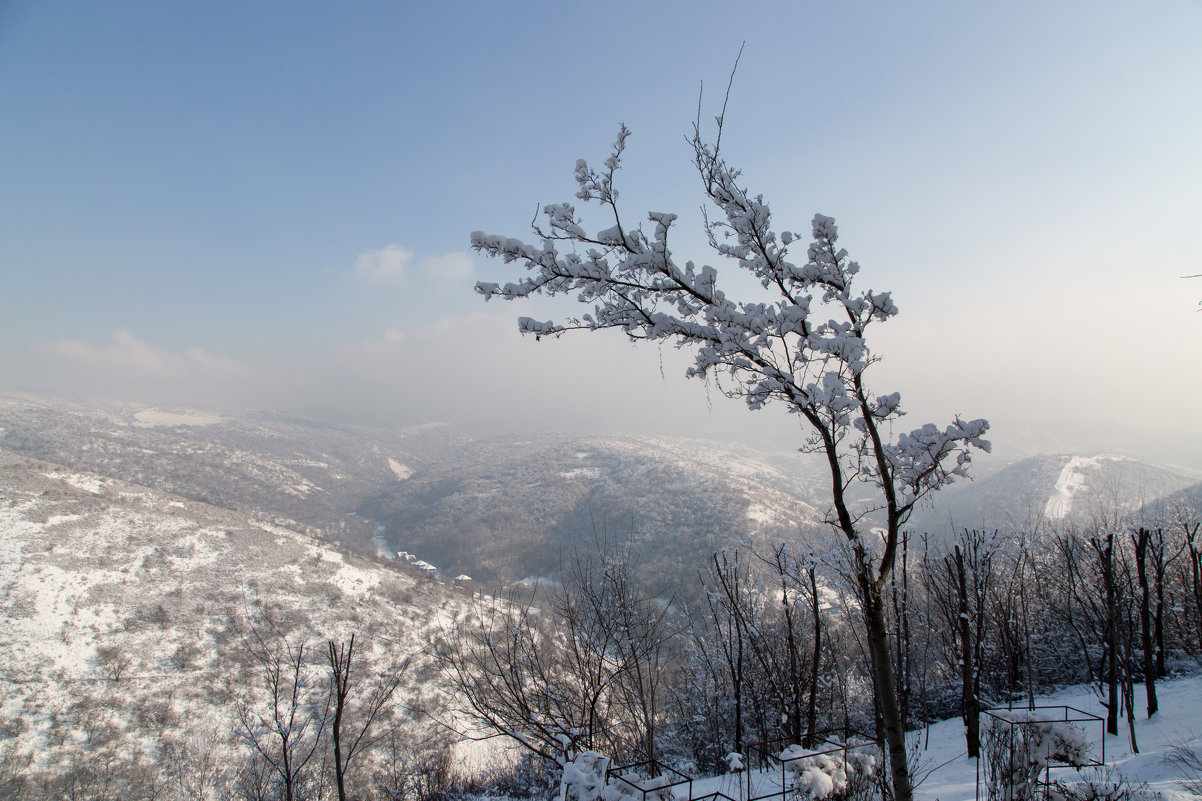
656 769
767 752
1062 713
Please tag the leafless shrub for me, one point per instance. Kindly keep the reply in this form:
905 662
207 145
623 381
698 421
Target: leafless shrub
417 765
1105 784
1186 756
112 661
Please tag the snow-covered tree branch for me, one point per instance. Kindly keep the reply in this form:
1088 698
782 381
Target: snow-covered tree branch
803 345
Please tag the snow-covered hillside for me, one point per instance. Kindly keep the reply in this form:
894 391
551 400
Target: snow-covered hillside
127 605
300 472
510 506
1055 490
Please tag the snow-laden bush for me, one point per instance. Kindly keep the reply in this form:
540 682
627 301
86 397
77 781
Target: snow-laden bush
1017 749
841 774
584 777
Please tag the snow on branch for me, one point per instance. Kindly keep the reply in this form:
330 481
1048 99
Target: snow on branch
805 347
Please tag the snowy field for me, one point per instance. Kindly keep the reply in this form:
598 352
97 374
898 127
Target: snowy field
1179 721
946 774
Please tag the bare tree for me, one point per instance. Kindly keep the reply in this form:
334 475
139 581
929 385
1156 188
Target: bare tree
1162 560
811 570
543 675
1104 549
726 582
1081 610
772 349
192 764
114 661
1193 545
505 660
899 586
283 716
15 783
637 629
347 688
960 584
798 577
417 764
586 672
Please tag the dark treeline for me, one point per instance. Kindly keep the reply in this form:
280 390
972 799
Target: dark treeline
775 652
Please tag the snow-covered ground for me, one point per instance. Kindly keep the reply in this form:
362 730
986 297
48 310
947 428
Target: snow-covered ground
1179 721
946 773
175 417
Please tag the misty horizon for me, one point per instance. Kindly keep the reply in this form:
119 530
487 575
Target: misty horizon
287 226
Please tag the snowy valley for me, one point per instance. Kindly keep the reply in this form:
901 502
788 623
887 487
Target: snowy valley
152 559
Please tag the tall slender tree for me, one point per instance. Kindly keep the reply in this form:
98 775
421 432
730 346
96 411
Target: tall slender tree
1140 539
358 704
777 348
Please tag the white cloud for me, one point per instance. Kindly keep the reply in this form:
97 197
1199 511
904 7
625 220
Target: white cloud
387 265
128 369
128 356
449 268
393 265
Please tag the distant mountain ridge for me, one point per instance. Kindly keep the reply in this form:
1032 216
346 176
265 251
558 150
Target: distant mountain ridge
299 471
508 508
503 507
512 506
1059 489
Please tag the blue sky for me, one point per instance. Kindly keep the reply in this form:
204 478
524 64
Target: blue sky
269 204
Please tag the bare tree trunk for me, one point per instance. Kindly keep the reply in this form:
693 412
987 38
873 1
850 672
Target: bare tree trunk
729 623
340 672
972 714
1129 682
794 684
1068 546
812 708
1141 538
1028 661
901 614
1195 566
286 724
737 686
1106 560
878 648
1160 566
